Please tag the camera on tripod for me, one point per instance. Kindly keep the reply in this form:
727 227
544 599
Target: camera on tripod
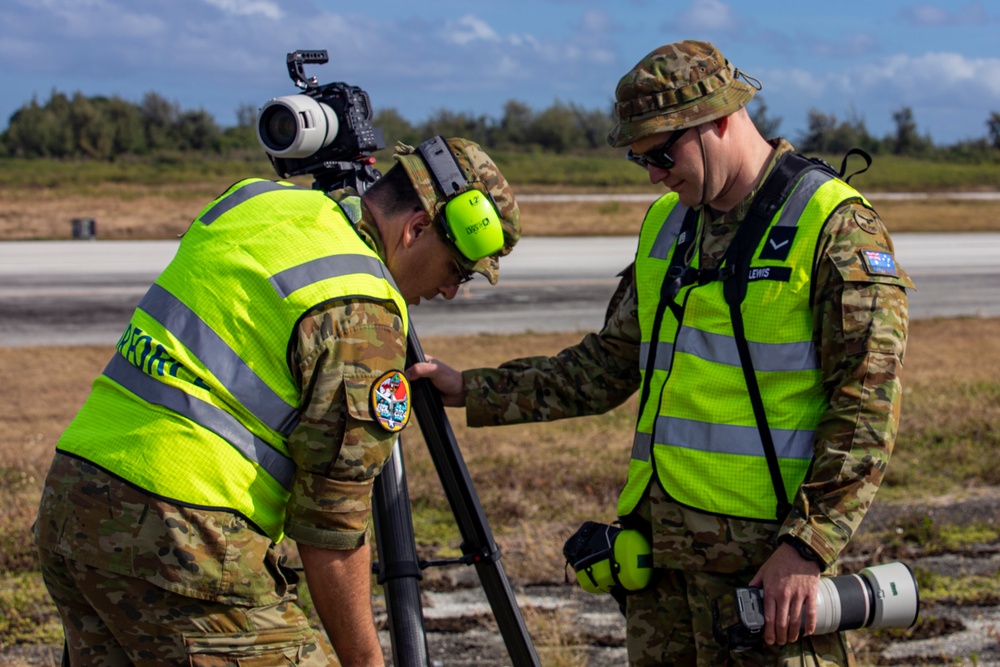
881 596
326 130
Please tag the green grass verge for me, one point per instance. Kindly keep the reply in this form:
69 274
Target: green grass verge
600 170
28 617
945 433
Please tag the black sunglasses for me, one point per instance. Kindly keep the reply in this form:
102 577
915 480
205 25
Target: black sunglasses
657 156
464 275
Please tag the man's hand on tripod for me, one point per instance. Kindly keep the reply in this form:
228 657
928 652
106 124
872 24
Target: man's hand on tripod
445 379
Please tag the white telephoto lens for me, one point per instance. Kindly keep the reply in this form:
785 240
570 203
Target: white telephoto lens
296 126
897 598
881 596
827 608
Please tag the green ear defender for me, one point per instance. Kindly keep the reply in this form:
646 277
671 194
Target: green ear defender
608 557
473 225
470 219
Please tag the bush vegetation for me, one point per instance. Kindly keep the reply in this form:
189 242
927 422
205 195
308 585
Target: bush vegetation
108 128
81 144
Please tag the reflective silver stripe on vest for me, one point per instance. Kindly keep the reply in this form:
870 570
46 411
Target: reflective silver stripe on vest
224 363
322 268
718 348
234 199
664 356
660 249
668 232
722 349
642 443
218 421
797 201
727 439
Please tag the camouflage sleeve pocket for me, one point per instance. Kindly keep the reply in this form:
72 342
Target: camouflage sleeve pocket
285 644
357 392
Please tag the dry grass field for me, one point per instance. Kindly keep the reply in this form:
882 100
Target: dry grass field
537 482
146 212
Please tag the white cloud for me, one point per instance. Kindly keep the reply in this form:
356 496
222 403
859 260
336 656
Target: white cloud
792 82
469 29
926 15
269 10
708 15
508 67
934 76
930 79
94 19
972 13
594 21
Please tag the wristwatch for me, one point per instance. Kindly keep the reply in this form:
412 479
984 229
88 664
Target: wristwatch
800 545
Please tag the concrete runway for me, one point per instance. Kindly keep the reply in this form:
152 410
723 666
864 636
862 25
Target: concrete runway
82 292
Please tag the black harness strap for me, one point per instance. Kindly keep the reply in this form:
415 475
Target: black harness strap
843 165
672 284
790 168
734 272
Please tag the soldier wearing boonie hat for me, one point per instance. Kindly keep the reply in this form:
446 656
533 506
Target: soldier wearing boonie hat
480 172
698 479
677 86
305 330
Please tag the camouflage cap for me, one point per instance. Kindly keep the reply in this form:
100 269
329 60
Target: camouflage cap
676 86
482 173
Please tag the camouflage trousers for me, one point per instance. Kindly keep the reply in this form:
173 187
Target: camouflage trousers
112 620
670 623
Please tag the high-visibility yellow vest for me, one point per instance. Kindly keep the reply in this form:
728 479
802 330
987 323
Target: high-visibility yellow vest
697 431
197 403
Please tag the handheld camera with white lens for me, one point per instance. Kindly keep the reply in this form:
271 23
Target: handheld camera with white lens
881 596
326 130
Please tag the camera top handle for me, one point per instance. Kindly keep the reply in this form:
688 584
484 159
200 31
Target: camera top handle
297 59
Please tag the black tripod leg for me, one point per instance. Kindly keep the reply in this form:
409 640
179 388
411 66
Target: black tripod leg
399 569
477 539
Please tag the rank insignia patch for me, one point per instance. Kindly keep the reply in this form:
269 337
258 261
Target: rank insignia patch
390 399
778 243
878 263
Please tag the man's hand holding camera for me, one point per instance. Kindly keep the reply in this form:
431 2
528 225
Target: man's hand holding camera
790 583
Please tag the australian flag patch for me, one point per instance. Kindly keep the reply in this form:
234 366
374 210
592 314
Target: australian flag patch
878 263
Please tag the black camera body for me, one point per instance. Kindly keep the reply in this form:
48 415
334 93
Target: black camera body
738 621
325 131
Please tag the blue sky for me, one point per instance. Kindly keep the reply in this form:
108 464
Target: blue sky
848 58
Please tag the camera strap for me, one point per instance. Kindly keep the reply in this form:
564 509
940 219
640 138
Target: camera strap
790 168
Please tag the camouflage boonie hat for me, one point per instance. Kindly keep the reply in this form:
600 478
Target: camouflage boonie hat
482 172
676 86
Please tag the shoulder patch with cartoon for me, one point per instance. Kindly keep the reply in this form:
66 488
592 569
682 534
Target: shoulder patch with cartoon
390 401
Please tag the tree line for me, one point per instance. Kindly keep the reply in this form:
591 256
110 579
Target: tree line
105 128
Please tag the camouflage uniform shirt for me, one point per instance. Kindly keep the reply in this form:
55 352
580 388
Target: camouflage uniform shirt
341 348
859 326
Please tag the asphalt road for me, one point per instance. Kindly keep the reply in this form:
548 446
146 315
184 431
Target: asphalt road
82 292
